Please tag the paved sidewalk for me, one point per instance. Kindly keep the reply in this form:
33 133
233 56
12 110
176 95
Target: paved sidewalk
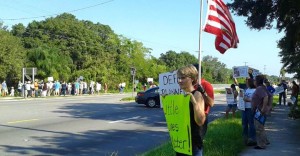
283 134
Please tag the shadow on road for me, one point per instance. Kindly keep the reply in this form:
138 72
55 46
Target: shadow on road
91 143
98 142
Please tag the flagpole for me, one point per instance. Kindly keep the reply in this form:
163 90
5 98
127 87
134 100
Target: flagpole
200 46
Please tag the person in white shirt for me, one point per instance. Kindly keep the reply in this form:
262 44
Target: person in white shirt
12 91
98 87
248 115
92 89
28 89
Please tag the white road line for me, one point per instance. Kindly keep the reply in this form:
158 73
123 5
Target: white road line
124 119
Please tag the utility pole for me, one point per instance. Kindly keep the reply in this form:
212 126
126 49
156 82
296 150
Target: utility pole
245 63
264 69
132 72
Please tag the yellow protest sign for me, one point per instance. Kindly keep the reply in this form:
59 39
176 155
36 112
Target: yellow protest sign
177 112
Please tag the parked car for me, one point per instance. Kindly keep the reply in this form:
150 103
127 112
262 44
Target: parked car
149 97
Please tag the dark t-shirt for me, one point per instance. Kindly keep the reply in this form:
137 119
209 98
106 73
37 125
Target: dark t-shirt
197 140
258 97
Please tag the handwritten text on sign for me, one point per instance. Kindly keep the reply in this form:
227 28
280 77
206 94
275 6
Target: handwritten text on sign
176 110
168 83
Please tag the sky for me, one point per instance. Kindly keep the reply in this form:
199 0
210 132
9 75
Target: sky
161 25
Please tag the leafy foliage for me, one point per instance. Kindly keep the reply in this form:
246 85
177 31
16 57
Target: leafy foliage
175 60
264 13
214 71
12 56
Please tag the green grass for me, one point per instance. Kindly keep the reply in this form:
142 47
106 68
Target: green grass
275 100
128 99
219 91
223 138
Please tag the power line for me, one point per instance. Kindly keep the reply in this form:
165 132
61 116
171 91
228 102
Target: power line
25 18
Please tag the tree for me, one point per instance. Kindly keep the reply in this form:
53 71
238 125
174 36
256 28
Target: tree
215 71
264 13
12 56
18 30
175 60
66 48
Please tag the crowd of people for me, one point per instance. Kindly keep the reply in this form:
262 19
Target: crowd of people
258 99
56 88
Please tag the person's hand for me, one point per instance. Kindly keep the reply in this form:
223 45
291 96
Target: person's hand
188 93
200 89
193 100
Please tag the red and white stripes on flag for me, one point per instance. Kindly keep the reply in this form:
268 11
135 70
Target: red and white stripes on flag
220 23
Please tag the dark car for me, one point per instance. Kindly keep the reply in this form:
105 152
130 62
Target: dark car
149 97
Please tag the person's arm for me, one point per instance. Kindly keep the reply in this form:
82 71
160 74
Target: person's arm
208 95
264 109
235 81
247 99
198 104
208 100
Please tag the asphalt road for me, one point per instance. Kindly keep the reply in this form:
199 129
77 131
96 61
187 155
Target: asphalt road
89 125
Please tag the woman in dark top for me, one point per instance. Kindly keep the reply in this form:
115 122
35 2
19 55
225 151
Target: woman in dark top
260 101
187 78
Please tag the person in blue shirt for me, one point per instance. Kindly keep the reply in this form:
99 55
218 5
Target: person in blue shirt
270 88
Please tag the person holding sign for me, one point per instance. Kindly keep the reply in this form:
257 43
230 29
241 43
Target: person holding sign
248 116
283 94
207 91
259 104
232 103
187 78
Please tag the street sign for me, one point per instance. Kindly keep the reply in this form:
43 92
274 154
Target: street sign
132 71
30 71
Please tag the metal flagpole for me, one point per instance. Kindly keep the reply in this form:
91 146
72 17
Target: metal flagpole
200 47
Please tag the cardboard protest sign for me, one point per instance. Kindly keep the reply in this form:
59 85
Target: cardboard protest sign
150 80
278 90
229 96
241 102
50 79
244 71
168 84
241 71
177 113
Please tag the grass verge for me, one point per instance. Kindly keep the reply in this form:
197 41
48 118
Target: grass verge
128 99
223 138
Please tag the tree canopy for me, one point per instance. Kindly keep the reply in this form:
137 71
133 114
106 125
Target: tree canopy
285 14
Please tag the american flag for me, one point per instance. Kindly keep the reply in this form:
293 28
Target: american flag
220 23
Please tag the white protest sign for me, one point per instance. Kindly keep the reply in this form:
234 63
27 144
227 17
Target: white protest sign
50 79
278 90
149 80
168 84
229 96
241 103
241 71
